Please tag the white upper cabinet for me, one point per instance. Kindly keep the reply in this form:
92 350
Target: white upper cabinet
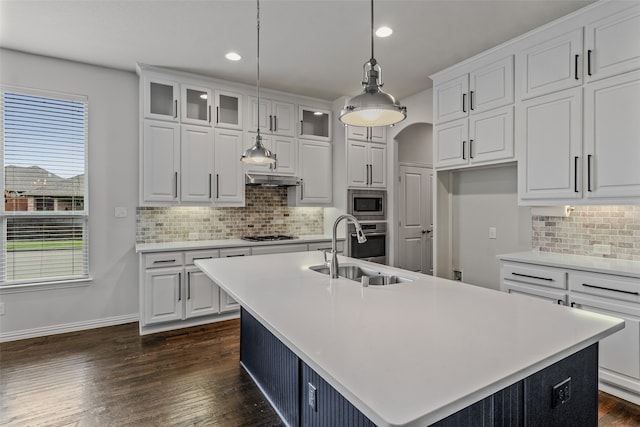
161 99
611 144
315 161
550 65
196 105
366 164
484 88
160 161
228 185
196 164
276 117
612 45
284 150
228 110
550 128
451 143
372 134
315 123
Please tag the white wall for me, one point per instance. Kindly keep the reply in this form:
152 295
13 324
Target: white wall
484 198
112 297
415 144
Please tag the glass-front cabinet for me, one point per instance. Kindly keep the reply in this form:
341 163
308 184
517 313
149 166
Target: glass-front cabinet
161 99
196 105
228 110
314 123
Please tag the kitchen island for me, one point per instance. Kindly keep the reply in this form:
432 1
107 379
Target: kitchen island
408 354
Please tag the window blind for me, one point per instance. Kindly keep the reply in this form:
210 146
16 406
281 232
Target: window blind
45 213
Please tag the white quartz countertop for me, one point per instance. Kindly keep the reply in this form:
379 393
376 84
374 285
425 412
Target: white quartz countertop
407 354
224 243
577 262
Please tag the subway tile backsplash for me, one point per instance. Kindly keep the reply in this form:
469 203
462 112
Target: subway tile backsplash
586 228
265 212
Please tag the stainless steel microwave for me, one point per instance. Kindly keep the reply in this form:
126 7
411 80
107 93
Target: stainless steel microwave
367 204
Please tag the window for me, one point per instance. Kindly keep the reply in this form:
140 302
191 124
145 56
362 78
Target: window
44 165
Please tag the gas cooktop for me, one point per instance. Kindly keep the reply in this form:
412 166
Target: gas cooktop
267 238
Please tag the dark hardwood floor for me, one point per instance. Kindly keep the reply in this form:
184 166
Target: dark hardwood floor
113 377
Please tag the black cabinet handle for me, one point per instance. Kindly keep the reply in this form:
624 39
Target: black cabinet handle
175 108
270 123
471 148
589 62
575 174
161 261
576 67
589 172
188 285
202 257
586 285
209 113
464 97
234 256
471 100
217 114
463 145
217 186
301 127
573 304
560 302
275 123
175 183
301 189
548 279
179 286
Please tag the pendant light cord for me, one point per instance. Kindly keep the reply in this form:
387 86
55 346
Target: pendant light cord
258 63
372 57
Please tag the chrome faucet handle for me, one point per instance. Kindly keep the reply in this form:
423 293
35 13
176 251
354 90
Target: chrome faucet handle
324 255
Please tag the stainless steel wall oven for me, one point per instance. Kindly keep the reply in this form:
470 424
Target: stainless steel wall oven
375 248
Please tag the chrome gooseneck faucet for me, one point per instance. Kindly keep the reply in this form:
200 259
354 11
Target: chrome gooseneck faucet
333 267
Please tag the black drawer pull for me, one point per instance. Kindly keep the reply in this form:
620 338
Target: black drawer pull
160 261
560 302
533 277
203 257
576 67
233 256
610 289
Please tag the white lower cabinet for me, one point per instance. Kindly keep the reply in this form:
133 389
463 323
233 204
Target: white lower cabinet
163 300
226 302
202 297
609 294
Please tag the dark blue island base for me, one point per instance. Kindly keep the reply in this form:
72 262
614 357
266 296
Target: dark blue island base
545 398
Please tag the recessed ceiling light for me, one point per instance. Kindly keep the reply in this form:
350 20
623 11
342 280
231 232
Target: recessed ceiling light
317 113
384 32
233 56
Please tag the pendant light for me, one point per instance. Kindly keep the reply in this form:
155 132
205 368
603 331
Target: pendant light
373 107
258 153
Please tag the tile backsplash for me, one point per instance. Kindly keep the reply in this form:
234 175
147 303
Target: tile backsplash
617 227
265 212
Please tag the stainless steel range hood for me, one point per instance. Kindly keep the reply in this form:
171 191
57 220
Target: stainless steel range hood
271 180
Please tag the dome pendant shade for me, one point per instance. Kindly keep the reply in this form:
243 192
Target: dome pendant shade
258 154
373 107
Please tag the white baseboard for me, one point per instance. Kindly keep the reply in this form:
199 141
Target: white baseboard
68 327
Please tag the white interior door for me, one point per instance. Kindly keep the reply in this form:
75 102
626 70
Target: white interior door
415 246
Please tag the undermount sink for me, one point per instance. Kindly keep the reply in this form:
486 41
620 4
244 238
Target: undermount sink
356 273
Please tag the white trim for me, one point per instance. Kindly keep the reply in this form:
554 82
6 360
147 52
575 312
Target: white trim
68 327
18 287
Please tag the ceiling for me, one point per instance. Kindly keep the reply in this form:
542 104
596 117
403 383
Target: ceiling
310 47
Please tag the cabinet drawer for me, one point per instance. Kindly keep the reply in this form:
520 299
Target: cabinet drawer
551 295
536 275
163 259
326 246
278 249
191 256
605 285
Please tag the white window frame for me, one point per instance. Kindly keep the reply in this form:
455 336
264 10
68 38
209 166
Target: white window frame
8 286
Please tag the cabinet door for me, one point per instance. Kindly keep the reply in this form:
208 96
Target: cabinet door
163 295
196 158
550 65
279 249
357 164
612 126
227 303
619 352
283 121
378 134
553 296
265 114
491 86
315 123
550 130
451 99
316 171
229 170
358 133
377 165
491 135
612 46
202 294
161 99
195 102
228 110
285 152
160 161
451 143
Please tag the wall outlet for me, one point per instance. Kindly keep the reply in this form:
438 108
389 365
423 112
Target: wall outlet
1 309
120 212
492 233
312 397
602 249
561 393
